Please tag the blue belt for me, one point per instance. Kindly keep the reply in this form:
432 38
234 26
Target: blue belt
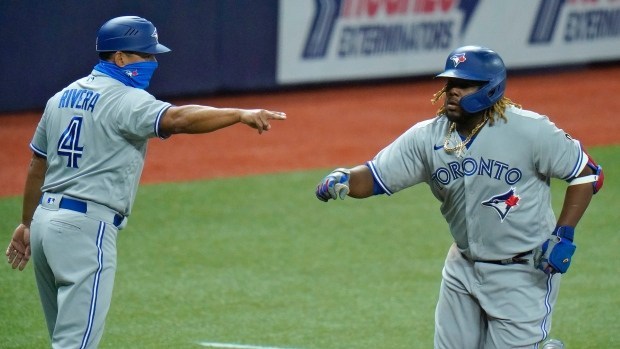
82 207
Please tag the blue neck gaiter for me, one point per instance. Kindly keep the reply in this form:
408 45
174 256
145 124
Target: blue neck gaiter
136 75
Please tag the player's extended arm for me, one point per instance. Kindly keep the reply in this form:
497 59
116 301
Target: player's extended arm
361 182
204 119
18 251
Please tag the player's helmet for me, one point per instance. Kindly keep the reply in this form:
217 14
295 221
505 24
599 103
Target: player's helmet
129 33
479 64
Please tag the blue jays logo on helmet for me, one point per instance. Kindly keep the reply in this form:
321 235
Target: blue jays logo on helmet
483 64
458 58
503 203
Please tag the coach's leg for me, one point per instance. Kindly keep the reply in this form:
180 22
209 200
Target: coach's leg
85 280
44 276
458 318
100 303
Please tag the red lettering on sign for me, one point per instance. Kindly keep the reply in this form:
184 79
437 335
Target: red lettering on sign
370 8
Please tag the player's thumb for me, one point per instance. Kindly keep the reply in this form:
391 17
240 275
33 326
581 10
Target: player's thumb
342 190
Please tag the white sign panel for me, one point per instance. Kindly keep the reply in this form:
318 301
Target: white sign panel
330 40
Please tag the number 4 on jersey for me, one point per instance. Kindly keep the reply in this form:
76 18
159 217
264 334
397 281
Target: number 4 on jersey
68 145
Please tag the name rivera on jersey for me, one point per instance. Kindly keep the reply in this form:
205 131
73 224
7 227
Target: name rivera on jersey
79 98
470 167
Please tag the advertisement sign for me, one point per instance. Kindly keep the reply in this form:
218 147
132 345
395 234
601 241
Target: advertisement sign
330 40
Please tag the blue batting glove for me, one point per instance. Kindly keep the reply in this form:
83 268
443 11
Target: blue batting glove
557 252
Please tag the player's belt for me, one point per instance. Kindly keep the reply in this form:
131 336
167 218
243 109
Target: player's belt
518 259
97 210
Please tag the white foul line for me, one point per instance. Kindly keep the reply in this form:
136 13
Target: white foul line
236 346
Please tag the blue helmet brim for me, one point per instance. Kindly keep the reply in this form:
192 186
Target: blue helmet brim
459 74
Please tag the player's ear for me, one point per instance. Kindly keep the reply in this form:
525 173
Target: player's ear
118 59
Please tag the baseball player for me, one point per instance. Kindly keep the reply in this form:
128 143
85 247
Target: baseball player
88 155
489 163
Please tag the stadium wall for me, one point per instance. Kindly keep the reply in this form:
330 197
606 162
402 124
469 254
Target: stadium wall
249 45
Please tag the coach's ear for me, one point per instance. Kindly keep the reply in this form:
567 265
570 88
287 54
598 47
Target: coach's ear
117 58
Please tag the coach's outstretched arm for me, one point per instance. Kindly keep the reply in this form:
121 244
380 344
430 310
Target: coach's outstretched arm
204 119
356 182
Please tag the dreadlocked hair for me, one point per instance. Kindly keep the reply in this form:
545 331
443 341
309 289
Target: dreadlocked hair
497 110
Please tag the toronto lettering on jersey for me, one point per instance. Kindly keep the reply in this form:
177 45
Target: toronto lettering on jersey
470 167
79 99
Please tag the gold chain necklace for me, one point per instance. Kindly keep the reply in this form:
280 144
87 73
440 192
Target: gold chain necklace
460 147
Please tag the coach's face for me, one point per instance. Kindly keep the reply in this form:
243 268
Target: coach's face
122 58
455 90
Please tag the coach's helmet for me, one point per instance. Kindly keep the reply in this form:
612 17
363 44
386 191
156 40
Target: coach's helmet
479 64
129 33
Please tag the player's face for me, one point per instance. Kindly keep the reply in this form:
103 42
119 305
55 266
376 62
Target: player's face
455 90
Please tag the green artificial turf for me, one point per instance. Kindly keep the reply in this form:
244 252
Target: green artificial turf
259 261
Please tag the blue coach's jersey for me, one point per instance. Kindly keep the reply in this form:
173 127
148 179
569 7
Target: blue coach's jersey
94 135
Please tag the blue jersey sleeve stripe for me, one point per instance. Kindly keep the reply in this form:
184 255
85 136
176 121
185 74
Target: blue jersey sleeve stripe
578 163
582 161
38 151
377 179
158 120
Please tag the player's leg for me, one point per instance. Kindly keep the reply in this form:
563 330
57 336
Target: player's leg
85 279
44 276
519 300
459 321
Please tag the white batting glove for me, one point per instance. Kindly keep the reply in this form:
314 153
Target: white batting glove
335 185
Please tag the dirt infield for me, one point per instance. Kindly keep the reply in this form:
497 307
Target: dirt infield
338 126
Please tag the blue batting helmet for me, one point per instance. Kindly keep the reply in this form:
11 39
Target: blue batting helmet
479 64
129 33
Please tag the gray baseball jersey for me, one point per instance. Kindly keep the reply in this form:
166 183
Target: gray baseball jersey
496 200
94 135
492 196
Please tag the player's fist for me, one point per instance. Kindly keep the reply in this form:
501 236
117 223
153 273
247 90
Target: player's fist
555 254
335 185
